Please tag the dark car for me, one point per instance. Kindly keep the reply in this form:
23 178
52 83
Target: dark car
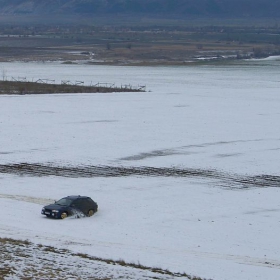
69 206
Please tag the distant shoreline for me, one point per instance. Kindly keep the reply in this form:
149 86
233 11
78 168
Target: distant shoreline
202 60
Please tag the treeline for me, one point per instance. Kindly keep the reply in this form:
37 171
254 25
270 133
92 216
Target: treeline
171 8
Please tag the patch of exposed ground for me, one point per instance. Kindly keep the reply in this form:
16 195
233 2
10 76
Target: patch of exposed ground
16 87
25 260
225 179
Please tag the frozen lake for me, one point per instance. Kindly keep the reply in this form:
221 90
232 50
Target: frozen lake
213 117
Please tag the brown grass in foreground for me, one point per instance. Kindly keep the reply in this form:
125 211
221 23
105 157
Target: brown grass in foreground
56 263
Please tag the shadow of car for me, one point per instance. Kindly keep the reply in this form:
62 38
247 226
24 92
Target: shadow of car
69 206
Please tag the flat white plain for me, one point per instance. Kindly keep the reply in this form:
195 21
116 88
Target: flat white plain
223 118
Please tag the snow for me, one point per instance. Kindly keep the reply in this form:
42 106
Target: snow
222 118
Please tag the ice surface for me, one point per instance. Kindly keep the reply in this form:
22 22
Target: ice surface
222 118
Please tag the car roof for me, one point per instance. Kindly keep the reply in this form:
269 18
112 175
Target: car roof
72 197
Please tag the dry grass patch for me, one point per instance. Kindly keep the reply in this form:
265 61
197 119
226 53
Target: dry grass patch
25 260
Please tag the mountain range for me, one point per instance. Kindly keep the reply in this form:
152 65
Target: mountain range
164 8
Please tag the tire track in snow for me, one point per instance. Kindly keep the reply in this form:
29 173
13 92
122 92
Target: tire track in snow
246 260
36 200
225 179
72 245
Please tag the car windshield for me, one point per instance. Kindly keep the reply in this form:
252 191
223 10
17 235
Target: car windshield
64 201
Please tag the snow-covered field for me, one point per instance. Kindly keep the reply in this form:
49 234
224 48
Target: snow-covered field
222 118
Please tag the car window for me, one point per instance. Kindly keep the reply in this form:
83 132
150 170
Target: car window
64 201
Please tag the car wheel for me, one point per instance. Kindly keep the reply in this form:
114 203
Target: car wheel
90 213
63 215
